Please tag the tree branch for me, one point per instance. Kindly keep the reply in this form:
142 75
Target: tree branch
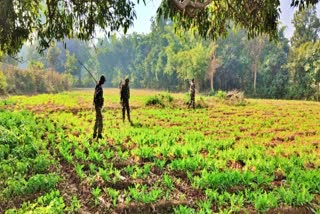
181 5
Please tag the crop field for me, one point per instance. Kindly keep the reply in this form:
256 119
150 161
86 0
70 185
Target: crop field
263 156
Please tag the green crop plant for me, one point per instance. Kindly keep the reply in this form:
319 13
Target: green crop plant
160 163
114 194
287 196
233 158
96 194
204 207
151 196
108 154
23 167
64 151
41 182
145 152
79 171
117 175
302 194
74 206
236 202
79 154
264 201
95 156
168 181
104 174
92 168
41 163
184 210
51 202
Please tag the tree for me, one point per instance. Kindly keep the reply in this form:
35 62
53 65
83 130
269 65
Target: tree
304 67
273 76
52 56
304 56
59 19
34 64
214 63
255 48
234 71
70 65
307 26
32 55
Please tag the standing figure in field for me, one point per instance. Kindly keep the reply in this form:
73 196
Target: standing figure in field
98 104
192 94
124 99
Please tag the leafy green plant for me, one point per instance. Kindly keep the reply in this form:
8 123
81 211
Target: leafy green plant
184 210
80 172
96 194
168 181
74 206
263 201
104 174
221 94
114 194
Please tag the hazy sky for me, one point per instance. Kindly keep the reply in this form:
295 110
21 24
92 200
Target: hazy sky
145 12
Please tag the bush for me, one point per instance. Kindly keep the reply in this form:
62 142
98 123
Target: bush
201 103
32 81
161 99
235 98
221 95
211 93
154 100
3 84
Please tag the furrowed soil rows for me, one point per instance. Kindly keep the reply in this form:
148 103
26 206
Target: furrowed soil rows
261 157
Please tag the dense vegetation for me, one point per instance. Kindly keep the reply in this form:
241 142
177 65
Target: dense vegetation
32 81
59 19
260 156
165 60
228 155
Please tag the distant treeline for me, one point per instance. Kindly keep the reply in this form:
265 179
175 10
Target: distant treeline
32 81
167 60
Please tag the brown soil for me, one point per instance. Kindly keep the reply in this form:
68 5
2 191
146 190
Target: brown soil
279 176
235 164
159 207
291 210
71 185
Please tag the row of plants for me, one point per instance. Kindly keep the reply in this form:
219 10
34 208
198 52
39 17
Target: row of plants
222 158
25 164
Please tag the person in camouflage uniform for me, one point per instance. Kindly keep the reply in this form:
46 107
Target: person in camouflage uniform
192 94
98 102
124 99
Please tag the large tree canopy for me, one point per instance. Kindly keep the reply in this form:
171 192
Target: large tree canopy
49 20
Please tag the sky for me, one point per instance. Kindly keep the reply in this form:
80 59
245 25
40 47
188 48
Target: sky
145 12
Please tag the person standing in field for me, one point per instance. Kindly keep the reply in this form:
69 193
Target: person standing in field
192 94
98 102
124 99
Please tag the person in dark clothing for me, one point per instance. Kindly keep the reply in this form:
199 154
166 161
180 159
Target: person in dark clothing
98 102
192 94
124 99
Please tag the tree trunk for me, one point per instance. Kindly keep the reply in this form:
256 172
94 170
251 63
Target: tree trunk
255 52
80 80
213 65
211 82
318 92
255 79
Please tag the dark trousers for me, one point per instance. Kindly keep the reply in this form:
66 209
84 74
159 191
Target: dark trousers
192 100
98 124
125 106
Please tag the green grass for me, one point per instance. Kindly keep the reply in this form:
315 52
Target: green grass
221 158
